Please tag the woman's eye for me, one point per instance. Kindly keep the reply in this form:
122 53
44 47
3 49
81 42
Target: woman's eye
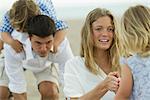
110 30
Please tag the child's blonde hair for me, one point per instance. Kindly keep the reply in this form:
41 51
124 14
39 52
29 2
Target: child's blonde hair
21 11
135 36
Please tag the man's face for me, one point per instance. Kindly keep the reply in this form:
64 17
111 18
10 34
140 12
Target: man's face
41 46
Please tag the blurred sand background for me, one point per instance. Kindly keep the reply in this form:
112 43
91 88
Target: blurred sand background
73 12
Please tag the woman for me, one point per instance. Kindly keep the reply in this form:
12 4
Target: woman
91 76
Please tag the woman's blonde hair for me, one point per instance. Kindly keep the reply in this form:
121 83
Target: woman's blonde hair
135 25
87 44
21 11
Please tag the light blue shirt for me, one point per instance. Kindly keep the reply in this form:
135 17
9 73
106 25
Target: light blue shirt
140 68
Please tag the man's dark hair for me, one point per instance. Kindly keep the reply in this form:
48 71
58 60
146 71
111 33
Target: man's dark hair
41 26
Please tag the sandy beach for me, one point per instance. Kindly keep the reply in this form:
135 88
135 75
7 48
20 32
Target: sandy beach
78 10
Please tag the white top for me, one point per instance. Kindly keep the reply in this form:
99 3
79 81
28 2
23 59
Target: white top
15 62
78 80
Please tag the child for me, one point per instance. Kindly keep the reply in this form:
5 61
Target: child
135 39
45 7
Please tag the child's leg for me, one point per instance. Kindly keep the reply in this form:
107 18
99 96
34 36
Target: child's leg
4 91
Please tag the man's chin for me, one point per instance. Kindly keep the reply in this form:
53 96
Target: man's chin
43 55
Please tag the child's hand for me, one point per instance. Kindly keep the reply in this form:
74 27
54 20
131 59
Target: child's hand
1 45
58 39
17 46
55 47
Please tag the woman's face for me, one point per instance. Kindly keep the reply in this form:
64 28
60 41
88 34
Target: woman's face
103 31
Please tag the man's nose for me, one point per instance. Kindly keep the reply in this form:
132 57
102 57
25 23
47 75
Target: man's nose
43 47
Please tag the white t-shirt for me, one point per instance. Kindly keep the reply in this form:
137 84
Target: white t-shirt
15 62
78 80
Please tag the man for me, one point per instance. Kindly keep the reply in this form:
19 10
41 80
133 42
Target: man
35 57
20 8
25 9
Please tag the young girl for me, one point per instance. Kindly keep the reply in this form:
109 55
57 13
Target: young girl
44 7
135 39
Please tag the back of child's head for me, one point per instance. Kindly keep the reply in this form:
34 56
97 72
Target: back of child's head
21 11
41 26
136 30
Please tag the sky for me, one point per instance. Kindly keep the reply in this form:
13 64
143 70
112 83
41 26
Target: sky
70 9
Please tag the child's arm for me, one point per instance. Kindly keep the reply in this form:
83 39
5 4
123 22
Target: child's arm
1 45
126 83
59 37
15 44
6 30
47 8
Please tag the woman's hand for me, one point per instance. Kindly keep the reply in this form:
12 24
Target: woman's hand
112 81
